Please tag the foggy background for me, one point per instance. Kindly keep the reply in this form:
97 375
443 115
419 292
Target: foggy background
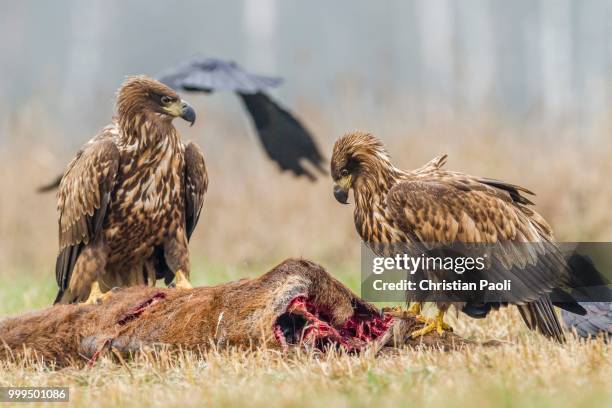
546 60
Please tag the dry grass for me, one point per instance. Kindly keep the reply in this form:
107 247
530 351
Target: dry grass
529 371
254 217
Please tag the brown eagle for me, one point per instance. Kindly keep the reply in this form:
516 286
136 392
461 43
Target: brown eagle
434 205
131 198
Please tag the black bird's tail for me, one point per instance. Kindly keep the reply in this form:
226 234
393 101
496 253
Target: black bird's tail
540 316
53 185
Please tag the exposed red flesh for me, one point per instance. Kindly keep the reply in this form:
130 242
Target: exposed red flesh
354 334
278 333
131 314
137 310
96 355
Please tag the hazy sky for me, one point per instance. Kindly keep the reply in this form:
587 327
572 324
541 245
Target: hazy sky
549 56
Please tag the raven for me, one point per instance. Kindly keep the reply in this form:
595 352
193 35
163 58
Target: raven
283 137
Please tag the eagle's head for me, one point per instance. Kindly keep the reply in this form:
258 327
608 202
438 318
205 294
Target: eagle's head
356 156
144 95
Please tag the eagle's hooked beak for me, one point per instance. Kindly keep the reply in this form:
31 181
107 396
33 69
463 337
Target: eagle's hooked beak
341 192
188 113
183 110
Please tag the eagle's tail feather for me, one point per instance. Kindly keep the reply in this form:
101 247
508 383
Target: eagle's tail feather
540 315
58 298
64 297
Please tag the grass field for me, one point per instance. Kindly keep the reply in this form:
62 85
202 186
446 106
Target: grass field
254 218
527 370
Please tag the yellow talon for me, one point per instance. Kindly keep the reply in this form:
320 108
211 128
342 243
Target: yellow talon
415 309
181 281
96 296
394 311
437 324
397 311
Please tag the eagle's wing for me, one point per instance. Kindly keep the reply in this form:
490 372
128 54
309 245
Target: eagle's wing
83 198
452 207
196 183
283 137
455 208
108 133
434 164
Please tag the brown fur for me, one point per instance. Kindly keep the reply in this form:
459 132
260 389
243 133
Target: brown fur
240 313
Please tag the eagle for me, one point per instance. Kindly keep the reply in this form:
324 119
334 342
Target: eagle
433 205
131 198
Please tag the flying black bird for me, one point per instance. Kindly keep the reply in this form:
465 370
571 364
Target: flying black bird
284 138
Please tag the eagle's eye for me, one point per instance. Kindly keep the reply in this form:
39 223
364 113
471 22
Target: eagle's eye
166 100
344 173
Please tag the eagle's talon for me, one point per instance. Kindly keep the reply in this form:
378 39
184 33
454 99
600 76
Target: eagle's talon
96 296
437 324
397 311
181 281
91 301
415 309
422 319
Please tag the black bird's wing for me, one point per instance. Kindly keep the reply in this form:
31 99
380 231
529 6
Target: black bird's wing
283 137
214 75
598 319
285 140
